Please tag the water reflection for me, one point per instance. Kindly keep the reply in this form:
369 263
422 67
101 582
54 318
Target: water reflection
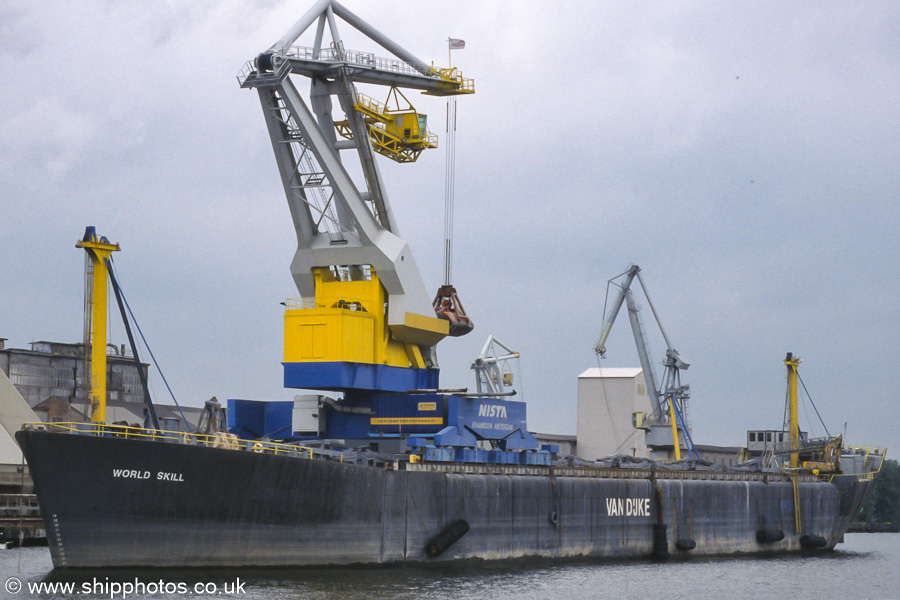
864 567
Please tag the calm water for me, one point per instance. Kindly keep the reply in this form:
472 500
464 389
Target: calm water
867 566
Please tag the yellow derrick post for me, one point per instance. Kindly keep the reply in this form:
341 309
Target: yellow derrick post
792 363
98 249
798 523
675 441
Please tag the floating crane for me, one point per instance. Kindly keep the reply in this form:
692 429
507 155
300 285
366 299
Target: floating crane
366 321
668 401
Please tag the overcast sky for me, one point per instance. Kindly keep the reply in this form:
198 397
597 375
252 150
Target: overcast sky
745 155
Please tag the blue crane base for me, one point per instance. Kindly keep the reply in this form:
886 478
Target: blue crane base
345 376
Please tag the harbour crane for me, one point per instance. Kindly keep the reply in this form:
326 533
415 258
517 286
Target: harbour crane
366 312
98 271
668 401
492 373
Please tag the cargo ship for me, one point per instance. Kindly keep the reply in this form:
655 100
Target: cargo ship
381 465
112 497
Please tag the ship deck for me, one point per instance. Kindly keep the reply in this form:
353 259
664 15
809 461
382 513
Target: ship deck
648 470
609 472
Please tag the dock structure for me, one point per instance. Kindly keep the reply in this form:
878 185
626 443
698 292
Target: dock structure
20 518
20 521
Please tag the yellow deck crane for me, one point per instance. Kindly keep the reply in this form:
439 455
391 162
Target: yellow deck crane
792 362
823 455
99 250
820 455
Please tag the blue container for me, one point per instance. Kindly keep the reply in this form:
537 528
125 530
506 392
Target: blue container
535 459
342 425
489 418
470 455
279 419
502 457
255 419
439 454
464 455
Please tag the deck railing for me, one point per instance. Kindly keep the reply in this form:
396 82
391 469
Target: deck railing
227 441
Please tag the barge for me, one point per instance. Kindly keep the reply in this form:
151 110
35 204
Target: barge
121 497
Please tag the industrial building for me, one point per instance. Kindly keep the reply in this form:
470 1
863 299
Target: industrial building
46 383
50 376
567 444
608 398
53 369
612 404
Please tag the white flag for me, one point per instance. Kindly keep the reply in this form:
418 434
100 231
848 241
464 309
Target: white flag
456 44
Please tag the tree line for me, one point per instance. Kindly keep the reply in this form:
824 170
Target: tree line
883 505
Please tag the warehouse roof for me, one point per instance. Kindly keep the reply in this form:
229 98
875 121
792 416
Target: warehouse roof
610 372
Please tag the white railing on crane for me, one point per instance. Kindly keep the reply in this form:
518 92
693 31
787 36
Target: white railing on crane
355 57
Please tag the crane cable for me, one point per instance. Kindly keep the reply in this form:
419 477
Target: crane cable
612 421
449 187
621 446
153 358
784 425
814 406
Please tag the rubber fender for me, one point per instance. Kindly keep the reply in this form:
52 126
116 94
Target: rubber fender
447 538
660 541
553 517
812 541
768 536
685 544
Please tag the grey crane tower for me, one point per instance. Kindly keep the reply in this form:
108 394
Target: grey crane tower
339 224
669 401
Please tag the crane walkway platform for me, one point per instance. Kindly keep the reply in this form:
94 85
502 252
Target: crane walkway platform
364 67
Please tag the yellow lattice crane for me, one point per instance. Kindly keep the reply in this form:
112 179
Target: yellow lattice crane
396 130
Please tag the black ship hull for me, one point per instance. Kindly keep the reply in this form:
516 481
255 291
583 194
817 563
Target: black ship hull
110 502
